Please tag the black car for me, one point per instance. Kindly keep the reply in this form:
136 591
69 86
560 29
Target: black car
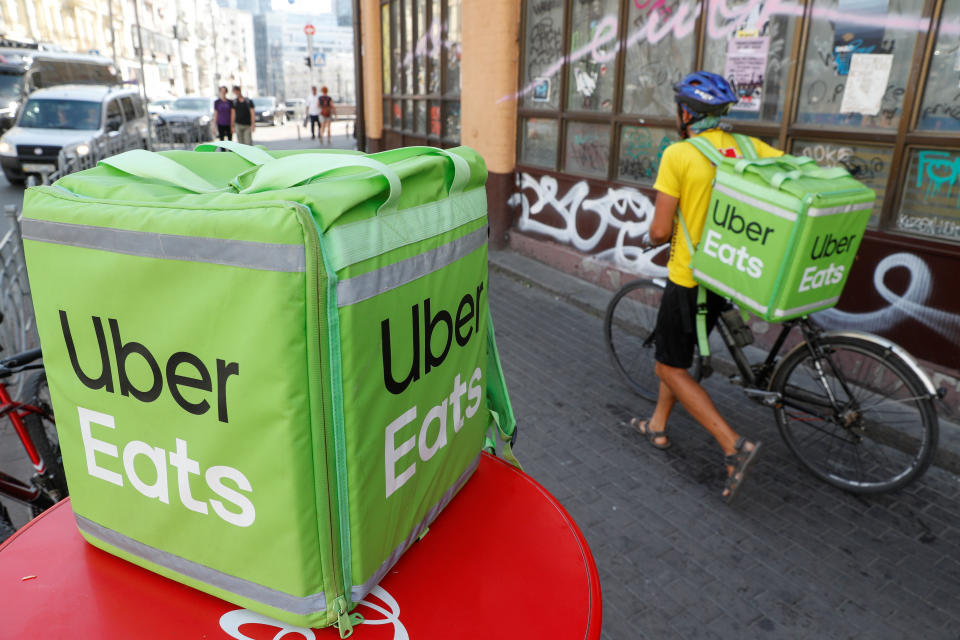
268 110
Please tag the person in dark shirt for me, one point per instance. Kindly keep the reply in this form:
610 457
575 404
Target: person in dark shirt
327 113
223 107
243 119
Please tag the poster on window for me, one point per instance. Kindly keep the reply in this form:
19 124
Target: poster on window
745 69
859 30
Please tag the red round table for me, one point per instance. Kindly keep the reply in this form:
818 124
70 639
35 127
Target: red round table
504 560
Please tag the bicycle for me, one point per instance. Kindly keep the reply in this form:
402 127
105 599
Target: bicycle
855 408
34 425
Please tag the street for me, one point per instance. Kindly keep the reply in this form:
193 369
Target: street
793 558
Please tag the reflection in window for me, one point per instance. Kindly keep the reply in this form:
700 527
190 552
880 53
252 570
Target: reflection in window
870 164
543 50
385 34
931 195
408 46
451 121
452 86
593 53
408 114
941 101
435 118
652 69
856 73
421 116
434 46
538 144
587 149
395 38
420 49
752 50
641 149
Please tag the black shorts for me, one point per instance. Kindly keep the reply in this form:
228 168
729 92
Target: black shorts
223 130
676 331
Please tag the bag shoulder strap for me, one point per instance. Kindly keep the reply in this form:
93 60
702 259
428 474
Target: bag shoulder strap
156 166
707 149
504 422
746 146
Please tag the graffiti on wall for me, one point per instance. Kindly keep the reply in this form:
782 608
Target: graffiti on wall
912 304
625 210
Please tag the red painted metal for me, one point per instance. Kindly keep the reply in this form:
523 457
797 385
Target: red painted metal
504 560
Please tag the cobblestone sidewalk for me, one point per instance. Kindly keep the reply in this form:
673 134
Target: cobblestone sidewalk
793 558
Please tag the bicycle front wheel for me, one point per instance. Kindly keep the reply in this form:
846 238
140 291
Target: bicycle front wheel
857 416
628 328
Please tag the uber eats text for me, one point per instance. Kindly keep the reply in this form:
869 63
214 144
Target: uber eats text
104 459
715 246
429 327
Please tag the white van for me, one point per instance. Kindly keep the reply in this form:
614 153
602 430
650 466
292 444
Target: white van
85 118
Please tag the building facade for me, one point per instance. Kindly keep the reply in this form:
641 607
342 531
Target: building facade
570 102
189 46
282 49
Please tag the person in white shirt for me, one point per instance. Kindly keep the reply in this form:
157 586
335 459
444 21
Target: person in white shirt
313 110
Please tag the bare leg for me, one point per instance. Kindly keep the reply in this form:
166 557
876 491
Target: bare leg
698 403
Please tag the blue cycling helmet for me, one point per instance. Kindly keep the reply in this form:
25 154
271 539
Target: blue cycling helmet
704 94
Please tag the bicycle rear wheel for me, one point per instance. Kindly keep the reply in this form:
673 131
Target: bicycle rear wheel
43 433
857 416
628 327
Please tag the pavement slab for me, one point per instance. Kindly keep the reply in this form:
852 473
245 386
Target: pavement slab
793 558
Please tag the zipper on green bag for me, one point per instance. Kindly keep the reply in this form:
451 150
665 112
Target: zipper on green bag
345 621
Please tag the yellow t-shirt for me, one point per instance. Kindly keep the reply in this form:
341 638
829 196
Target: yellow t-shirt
685 173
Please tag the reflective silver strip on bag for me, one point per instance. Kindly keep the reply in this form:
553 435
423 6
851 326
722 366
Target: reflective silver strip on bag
263 256
358 591
371 284
271 597
699 276
827 302
768 207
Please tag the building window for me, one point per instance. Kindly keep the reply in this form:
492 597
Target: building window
876 90
421 73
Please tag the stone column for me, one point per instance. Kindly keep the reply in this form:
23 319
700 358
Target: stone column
372 55
488 110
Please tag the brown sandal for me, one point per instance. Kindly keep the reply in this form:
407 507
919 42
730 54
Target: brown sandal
740 461
641 427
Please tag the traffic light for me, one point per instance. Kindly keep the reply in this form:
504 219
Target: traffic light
309 61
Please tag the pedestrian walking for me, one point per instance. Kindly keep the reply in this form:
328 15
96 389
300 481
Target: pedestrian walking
327 113
313 110
244 122
223 107
684 184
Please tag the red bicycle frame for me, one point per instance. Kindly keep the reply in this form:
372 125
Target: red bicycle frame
16 412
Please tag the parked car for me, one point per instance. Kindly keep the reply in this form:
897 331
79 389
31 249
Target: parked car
158 106
268 110
187 119
84 118
23 71
296 109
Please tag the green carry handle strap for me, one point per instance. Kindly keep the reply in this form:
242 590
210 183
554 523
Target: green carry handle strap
808 172
253 155
461 168
702 340
288 171
155 166
498 402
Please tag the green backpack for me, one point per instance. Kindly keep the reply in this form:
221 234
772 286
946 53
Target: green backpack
781 233
270 371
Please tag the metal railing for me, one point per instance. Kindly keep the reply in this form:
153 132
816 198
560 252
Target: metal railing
18 331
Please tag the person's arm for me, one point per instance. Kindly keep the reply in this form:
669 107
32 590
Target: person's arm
661 228
233 120
253 119
667 187
333 109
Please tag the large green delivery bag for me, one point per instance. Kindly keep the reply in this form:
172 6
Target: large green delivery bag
270 374
781 233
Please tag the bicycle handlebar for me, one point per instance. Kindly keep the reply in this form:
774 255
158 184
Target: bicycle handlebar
20 362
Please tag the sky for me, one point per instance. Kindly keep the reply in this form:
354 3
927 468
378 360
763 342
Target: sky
302 6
